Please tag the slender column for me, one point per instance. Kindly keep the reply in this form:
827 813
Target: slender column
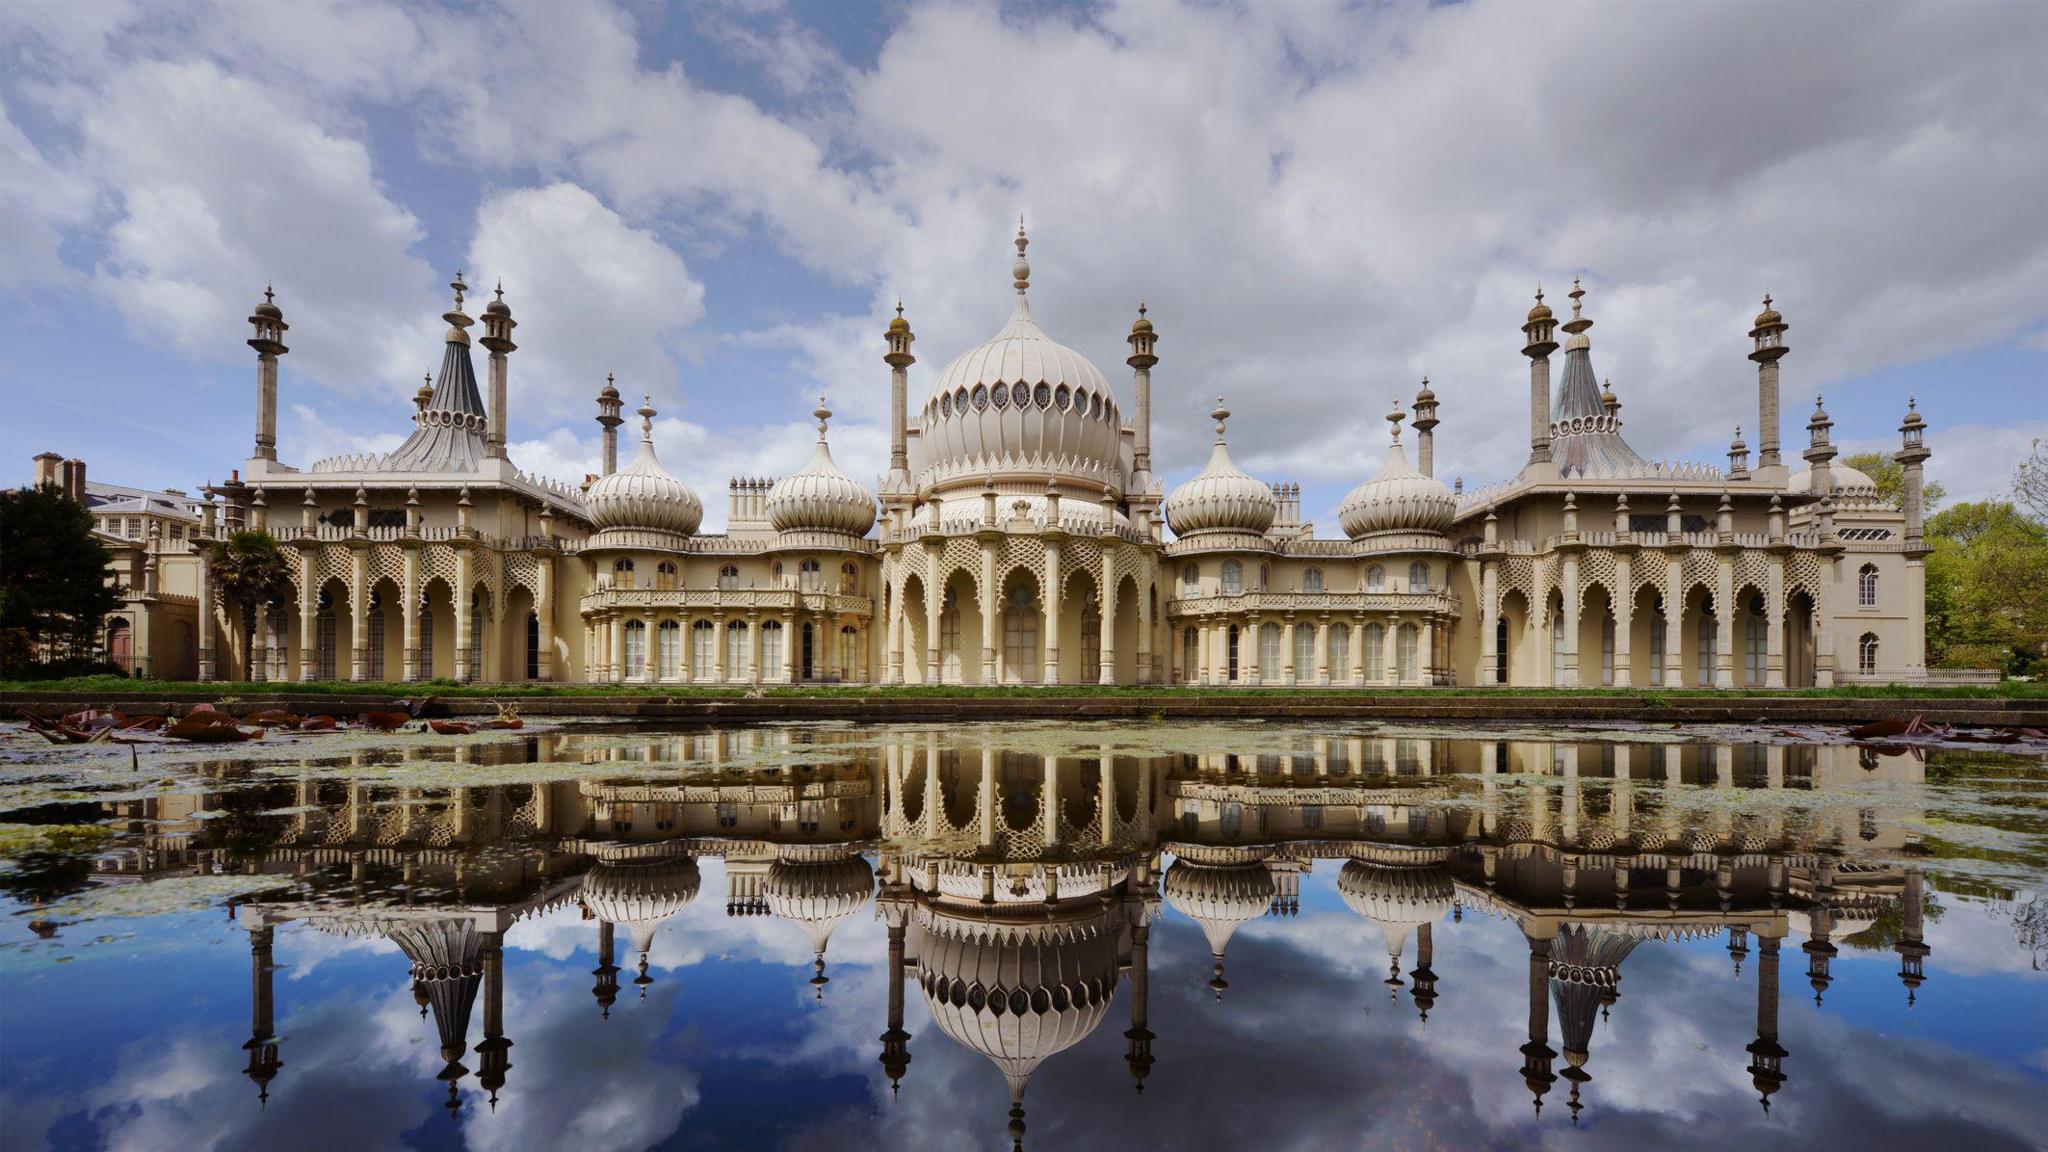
1537 1053
792 647
1623 604
262 1045
309 624
493 1065
754 642
894 639
1287 669
895 1041
1674 619
464 567
1145 624
1359 672
1774 601
1725 616
1107 656
359 613
266 405
1489 622
990 597
1050 594
615 650
1322 652
206 624
409 613
1390 651
1568 643
1427 652
1766 1065
1049 800
1138 1058
1824 633
544 614
934 600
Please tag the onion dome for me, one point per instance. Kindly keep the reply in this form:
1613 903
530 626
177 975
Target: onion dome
1841 478
643 494
269 308
1221 497
1021 402
816 889
1397 498
819 497
1541 311
1768 316
640 893
899 324
1397 899
1221 898
497 306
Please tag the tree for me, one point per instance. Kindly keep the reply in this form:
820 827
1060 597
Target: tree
53 584
1987 589
2030 481
249 574
1891 479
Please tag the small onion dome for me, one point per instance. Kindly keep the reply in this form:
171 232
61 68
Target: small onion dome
1221 497
817 888
1841 478
1221 898
1541 311
643 494
1768 316
819 497
1396 899
497 306
269 306
1840 926
640 894
899 324
1397 499
1141 324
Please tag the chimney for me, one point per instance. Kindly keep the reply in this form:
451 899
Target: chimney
74 480
49 470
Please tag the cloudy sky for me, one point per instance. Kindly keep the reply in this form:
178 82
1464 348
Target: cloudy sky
718 204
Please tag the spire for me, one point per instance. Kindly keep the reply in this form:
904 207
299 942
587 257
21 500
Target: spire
1021 270
1578 324
1220 415
1395 417
821 414
646 414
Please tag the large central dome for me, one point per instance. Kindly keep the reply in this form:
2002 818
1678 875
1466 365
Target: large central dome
1022 403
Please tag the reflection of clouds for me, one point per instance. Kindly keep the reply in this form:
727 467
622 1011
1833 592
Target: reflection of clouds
1973 938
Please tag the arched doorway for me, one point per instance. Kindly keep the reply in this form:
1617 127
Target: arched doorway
121 645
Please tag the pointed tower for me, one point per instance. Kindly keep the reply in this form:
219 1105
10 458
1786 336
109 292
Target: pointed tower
1820 449
1912 949
1541 330
498 326
608 416
262 1045
1425 429
898 358
451 436
268 322
1142 359
1766 1055
1912 455
1768 336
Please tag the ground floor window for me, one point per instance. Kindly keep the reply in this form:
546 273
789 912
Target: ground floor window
635 665
426 645
703 641
1866 654
1375 650
1657 626
1230 653
849 653
1607 651
1304 653
949 642
1091 646
771 650
1340 653
532 646
736 648
1755 633
323 640
1269 652
1190 654
1709 637
1405 653
1020 638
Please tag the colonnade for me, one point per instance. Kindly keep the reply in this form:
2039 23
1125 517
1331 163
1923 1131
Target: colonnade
1412 649
748 647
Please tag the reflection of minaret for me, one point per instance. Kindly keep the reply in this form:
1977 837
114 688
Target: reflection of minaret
1399 898
607 987
1139 1056
1537 1053
1738 945
895 1041
1766 1057
1820 951
262 1045
1911 948
1425 976
495 1062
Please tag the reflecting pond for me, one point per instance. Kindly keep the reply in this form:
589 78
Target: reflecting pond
1025 935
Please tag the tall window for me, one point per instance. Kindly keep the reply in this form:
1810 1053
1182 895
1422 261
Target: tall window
426 644
849 579
808 576
1233 578
1709 638
476 636
1556 648
532 646
1755 642
1866 586
1265 577
1304 653
665 575
668 650
703 644
1091 645
1190 579
622 574
636 650
849 653
323 639
1405 653
1340 653
1607 651
1375 579
1269 652
1375 651
1866 654
1312 580
736 650
1657 626
771 650
1190 655
1020 637
728 578
1418 577
376 630
949 640
1230 653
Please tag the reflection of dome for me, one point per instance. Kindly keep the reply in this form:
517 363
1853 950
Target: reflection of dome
816 889
1022 398
819 497
1841 925
1221 497
1397 499
1841 478
1397 899
643 494
1221 898
640 894
1017 992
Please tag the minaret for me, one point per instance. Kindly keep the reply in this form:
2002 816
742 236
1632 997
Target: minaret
1911 455
262 1045
1911 948
1820 950
1738 946
1425 429
1537 1053
1541 330
1768 333
608 406
492 1068
1738 457
1142 340
607 987
895 1041
1138 1056
268 322
422 398
899 360
1424 991
498 326
1766 1057
1820 450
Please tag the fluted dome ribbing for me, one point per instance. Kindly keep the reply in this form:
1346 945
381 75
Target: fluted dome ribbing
643 494
818 889
1841 478
1396 899
1219 898
819 497
640 895
1221 497
1397 499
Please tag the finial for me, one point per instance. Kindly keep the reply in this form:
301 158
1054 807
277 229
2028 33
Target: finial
1021 270
1577 294
899 308
1539 291
500 290
1767 300
1141 307
1394 418
646 414
268 295
460 288
821 414
1219 414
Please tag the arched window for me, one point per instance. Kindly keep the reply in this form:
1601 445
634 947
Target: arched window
849 579
808 576
1304 654
775 574
1091 643
1375 579
1340 653
635 666
1755 642
426 640
1866 586
668 650
376 631
729 578
1375 651
849 653
1405 654
1190 655
703 642
1020 636
1265 577
736 650
1418 577
1233 578
1190 578
1657 626
622 574
665 575
1230 653
771 650
1269 652
1866 654
323 638
1556 631
949 639
1607 651
1312 580
1709 643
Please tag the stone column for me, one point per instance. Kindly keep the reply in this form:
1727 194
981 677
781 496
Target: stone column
1322 652
991 596
410 615
894 638
1107 656
1489 623
1774 605
1725 615
1568 643
464 567
544 614
718 627
1623 602
1824 632
615 650
359 613
1287 670
754 642
262 1045
934 600
1145 623
309 609
1359 672
206 623
1050 594
1427 653
1674 620
1390 650
792 646
1766 1065
1537 1053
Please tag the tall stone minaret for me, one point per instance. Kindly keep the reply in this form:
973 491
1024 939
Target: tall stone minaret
608 406
1912 454
1541 330
899 360
1768 333
1142 359
268 321
498 326
1425 429
1820 449
1766 1055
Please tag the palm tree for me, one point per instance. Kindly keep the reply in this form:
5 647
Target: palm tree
249 572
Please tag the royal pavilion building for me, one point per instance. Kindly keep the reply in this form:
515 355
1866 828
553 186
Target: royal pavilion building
1021 535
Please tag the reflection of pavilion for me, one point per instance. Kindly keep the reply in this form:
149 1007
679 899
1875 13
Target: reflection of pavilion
1018 887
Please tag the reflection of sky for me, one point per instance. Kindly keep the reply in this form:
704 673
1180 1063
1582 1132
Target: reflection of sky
134 1031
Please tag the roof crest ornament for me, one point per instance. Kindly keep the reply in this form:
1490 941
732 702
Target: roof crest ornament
1021 270
1220 415
646 414
1395 417
822 414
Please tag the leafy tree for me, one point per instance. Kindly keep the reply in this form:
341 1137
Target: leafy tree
2030 481
53 584
1987 589
249 574
1891 479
